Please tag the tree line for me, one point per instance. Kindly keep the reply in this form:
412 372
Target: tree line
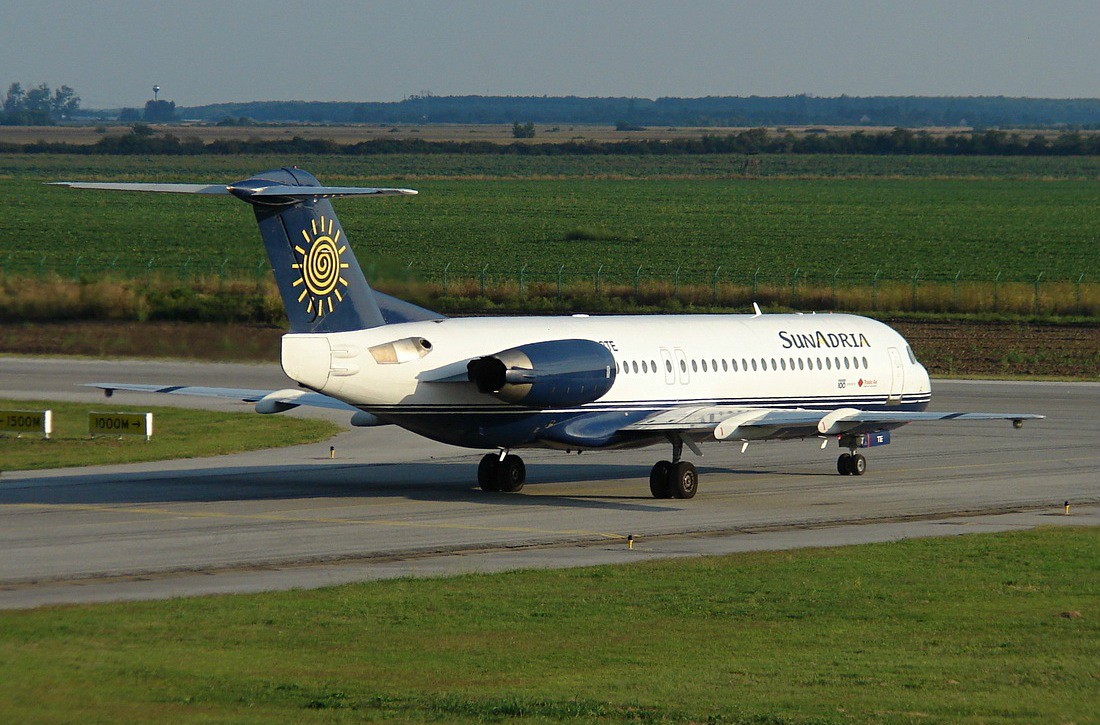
799 110
901 141
38 106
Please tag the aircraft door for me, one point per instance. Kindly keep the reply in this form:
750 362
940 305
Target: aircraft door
897 377
670 368
682 367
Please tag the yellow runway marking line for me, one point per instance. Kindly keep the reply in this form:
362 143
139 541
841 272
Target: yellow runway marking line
283 518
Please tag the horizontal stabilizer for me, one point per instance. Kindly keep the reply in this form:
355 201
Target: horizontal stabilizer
162 188
275 191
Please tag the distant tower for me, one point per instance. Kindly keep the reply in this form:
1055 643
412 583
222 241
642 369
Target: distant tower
156 92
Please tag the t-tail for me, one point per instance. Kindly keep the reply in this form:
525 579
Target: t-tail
322 286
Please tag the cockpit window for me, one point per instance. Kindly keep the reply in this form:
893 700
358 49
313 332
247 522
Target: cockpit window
912 357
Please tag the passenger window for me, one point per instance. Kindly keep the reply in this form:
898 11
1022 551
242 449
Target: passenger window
694 366
645 366
847 365
683 366
734 363
800 364
865 365
754 365
653 365
745 365
714 365
819 363
792 363
704 366
634 365
782 363
828 364
774 366
837 361
725 367
668 365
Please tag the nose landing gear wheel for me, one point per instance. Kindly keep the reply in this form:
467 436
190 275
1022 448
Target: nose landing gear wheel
660 480
843 464
851 464
858 466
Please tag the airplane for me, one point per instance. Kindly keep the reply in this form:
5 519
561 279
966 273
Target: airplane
572 383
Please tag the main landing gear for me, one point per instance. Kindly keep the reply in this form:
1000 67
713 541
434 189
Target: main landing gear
675 478
506 474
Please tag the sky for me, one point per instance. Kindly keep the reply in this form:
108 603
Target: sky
203 51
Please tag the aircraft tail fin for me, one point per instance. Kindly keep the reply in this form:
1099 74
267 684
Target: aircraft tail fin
319 278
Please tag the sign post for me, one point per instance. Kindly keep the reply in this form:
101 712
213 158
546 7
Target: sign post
120 424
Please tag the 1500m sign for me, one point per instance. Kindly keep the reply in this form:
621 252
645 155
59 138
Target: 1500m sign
26 421
121 424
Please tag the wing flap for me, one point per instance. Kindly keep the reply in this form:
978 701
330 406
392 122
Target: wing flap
741 423
267 401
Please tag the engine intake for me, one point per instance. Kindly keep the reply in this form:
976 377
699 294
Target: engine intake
554 374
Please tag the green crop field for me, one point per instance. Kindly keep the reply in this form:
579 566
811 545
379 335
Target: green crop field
852 229
993 628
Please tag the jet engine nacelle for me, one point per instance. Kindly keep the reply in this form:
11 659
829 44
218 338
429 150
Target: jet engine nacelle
554 374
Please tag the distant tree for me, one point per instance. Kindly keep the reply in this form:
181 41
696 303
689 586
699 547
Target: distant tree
16 99
65 103
523 130
141 130
160 111
129 115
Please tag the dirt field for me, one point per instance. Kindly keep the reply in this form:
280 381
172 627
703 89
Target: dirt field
497 133
946 349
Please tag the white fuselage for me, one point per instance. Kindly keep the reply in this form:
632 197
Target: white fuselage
783 360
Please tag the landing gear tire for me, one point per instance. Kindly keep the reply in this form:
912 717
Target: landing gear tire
660 480
487 472
844 464
511 474
684 481
858 466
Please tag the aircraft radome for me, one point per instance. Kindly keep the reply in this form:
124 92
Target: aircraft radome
572 383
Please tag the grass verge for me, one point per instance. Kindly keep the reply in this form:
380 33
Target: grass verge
1005 630
178 433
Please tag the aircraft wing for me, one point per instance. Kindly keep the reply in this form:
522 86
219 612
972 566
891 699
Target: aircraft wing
267 401
739 423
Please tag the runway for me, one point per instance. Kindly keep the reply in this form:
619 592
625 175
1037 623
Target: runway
393 504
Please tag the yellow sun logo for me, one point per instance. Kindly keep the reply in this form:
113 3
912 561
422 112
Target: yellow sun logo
321 266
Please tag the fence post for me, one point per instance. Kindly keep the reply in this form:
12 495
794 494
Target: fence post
225 263
76 265
794 287
523 281
186 267
913 293
955 292
676 283
560 270
446 268
1079 292
997 292
755 280
874 290
42 266
482 277
637 281
714 286
835 275
598 273
1035 303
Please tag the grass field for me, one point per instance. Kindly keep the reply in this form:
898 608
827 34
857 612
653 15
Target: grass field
177 433
1006 631
850 229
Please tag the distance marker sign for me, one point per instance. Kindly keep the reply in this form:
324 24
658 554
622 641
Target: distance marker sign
26 421
120 424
